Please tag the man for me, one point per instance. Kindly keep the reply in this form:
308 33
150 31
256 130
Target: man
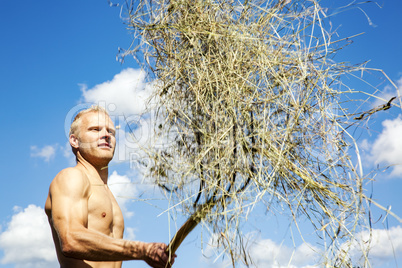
86 221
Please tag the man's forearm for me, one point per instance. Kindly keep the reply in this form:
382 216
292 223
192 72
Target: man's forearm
94 246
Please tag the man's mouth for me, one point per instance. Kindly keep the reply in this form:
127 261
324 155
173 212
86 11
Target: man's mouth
104 145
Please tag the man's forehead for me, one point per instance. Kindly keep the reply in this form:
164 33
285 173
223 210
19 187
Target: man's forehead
97 117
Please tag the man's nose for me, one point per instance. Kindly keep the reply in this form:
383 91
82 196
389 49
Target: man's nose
105 134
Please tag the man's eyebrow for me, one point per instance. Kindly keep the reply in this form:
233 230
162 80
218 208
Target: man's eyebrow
97 125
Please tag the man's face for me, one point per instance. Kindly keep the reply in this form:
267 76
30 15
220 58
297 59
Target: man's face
96 137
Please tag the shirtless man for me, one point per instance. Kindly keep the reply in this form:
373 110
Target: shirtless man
86 221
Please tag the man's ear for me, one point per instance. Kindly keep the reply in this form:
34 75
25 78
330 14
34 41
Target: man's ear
74 141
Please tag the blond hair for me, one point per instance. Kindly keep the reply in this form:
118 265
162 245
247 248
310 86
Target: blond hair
77 119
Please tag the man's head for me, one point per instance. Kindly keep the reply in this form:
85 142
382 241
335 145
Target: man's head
92 135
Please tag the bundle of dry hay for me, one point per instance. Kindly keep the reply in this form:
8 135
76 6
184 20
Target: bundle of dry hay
250 99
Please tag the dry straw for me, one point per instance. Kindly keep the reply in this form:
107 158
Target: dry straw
249 98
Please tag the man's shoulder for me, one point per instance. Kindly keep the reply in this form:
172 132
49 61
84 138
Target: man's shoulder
72 172
71 176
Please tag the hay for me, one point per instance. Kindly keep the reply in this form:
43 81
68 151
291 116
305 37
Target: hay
250 99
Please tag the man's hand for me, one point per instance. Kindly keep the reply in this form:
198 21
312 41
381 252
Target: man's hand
156 256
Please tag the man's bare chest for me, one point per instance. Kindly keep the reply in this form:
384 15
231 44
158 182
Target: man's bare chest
104 213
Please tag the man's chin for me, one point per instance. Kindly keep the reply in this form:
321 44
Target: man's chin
106 157
101 159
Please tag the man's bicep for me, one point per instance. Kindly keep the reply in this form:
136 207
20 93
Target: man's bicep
69 197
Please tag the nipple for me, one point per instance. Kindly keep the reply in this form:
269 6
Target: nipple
103 214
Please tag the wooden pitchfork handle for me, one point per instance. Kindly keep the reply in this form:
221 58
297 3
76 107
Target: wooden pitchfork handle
181 234
189 225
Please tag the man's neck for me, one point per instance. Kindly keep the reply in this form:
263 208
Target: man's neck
94 170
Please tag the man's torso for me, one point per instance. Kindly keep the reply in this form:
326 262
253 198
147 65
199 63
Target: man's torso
104 216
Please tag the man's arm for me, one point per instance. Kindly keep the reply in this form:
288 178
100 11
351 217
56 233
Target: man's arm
69 193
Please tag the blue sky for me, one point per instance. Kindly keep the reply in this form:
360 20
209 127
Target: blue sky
57 55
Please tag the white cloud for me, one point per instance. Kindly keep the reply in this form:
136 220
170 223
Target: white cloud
129 233
47 152
127 93
385 245
387 148
385 248
123 190
27 241
267 253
